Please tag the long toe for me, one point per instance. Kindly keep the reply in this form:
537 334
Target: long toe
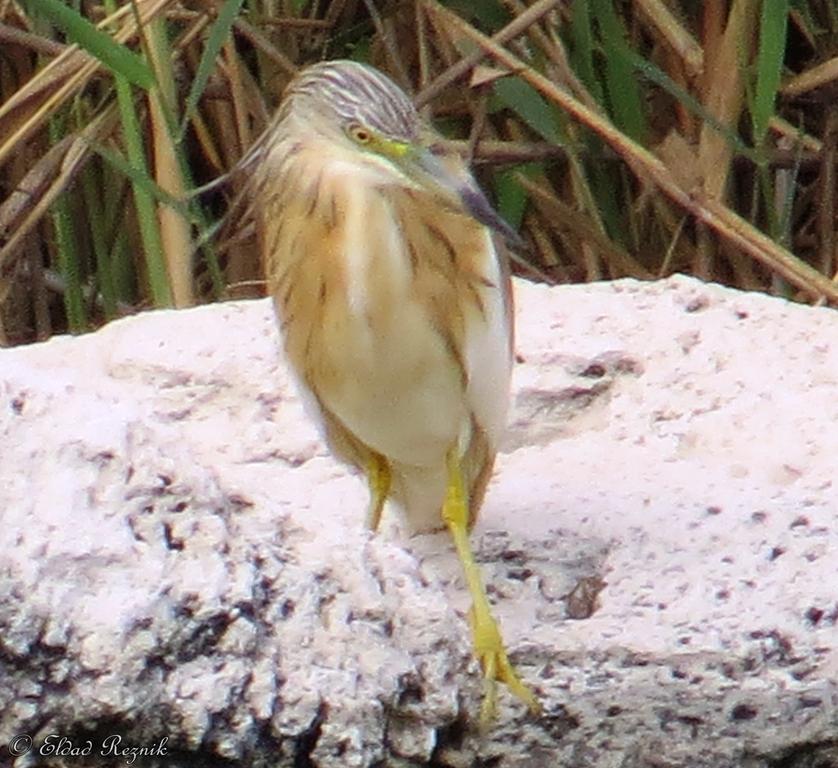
494 661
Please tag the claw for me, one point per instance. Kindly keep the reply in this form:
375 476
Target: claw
494 661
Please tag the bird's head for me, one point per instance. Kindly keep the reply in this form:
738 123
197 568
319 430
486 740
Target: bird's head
370 119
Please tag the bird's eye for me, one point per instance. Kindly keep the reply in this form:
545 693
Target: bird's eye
359 133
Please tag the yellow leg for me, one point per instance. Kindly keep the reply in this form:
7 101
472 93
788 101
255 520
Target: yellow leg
378 476
488 643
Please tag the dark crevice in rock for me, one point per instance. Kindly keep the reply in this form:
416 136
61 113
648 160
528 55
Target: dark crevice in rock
558 723
203 638
306 742
819 755
449 737
173 542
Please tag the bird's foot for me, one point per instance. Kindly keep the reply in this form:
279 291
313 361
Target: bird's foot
491 653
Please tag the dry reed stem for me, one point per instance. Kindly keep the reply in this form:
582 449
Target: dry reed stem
38 185
13 36
727 224
516 27
684 45
817 77
724 97
175 229
563 216
249 32
61 79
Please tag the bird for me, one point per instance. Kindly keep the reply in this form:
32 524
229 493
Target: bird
387 268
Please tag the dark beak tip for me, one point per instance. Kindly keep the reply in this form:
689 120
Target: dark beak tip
514 240
480 208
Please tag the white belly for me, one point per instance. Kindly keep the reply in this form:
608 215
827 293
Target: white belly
400 390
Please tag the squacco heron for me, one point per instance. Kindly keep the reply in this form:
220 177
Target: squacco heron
394 301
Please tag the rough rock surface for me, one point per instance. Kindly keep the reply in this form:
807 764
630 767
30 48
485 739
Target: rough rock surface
181 560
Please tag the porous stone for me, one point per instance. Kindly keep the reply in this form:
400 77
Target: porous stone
185 568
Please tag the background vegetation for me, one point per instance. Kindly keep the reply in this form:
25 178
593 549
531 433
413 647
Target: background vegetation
622 138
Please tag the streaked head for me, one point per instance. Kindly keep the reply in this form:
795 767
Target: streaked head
365 115
345 100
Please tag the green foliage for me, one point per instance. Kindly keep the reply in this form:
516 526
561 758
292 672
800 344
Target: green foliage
582 49
529 105
511 196
119 59
583 196
772 47
488 14
219 32
626 105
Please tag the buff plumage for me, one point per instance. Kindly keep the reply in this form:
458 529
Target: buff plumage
385 266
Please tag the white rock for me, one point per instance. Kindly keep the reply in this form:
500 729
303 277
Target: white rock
181 558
